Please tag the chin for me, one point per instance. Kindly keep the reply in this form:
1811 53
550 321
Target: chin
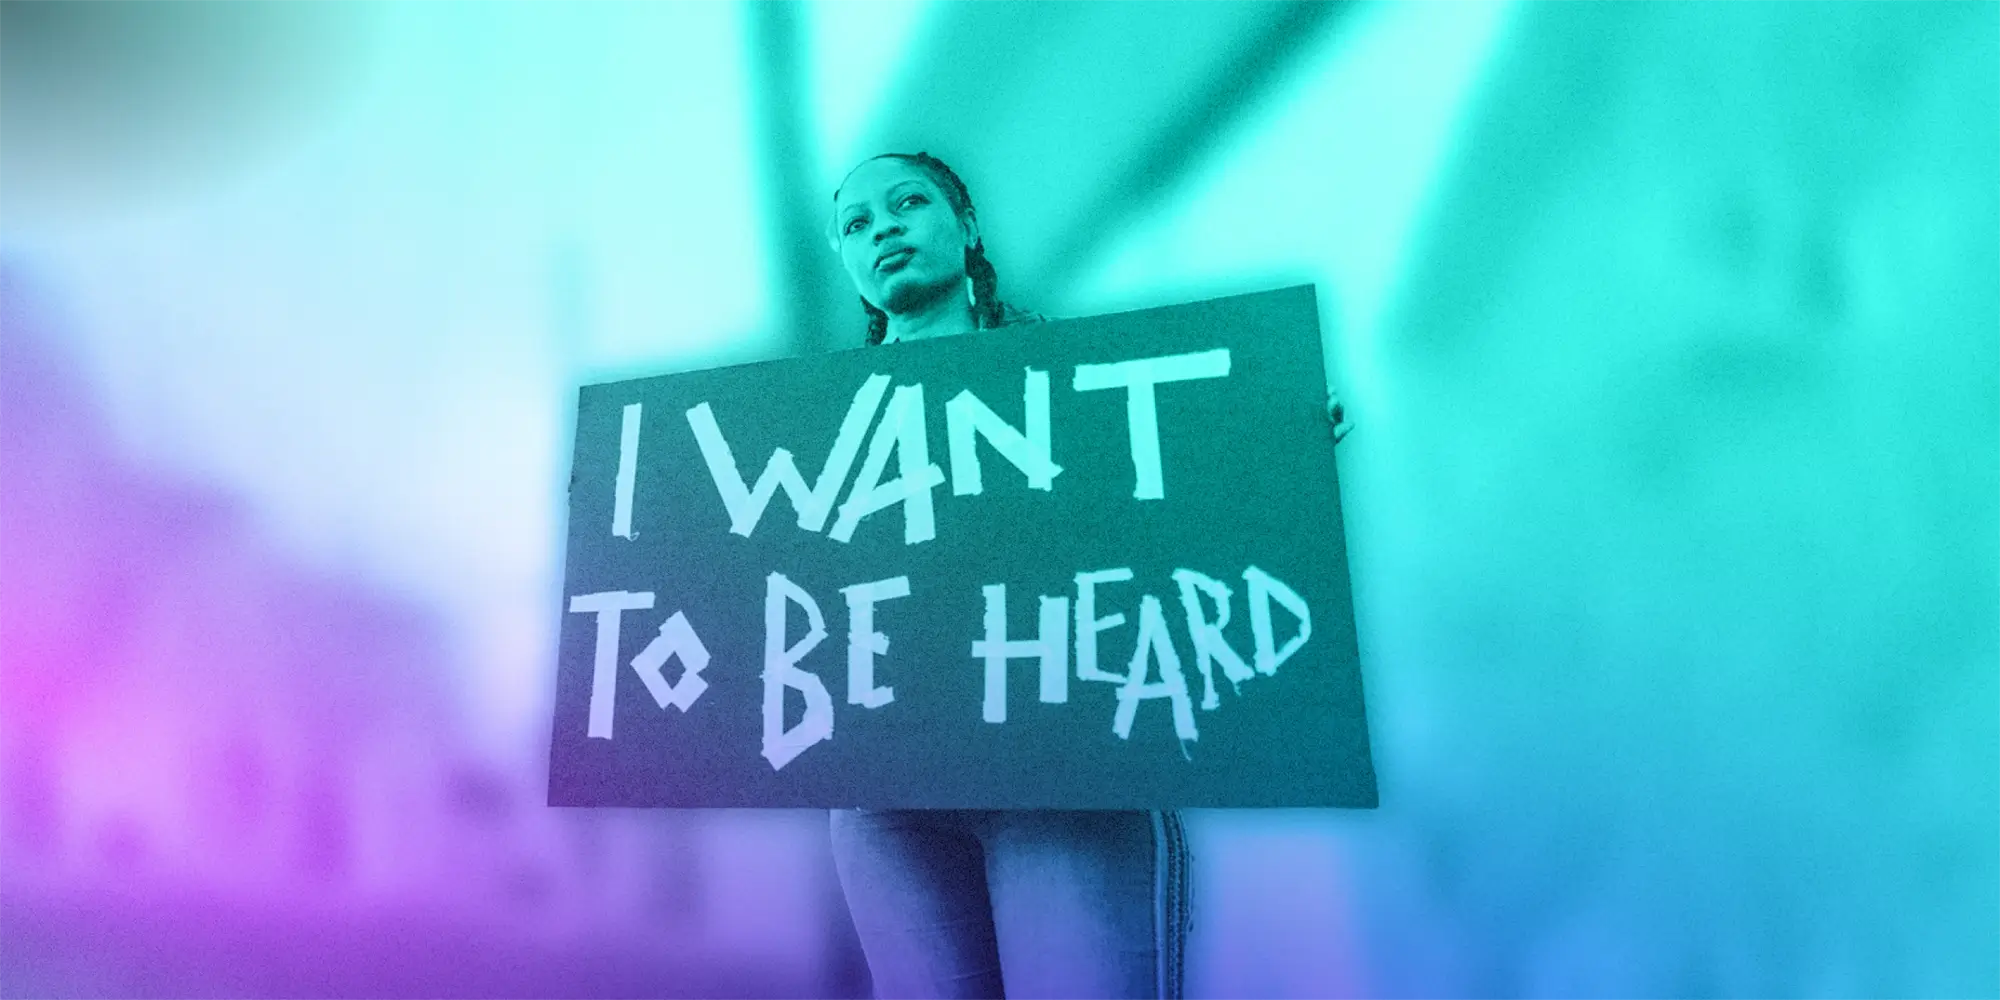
908 293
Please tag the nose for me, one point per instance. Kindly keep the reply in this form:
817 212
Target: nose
887 227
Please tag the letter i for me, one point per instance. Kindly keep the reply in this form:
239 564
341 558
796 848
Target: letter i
628 472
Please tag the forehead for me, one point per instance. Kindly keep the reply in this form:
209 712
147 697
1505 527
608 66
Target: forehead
875 178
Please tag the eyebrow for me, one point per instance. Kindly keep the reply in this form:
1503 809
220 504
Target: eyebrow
849 211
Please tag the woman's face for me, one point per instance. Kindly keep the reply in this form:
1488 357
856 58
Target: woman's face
899 239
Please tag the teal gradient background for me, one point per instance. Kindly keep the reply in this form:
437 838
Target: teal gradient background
1670 332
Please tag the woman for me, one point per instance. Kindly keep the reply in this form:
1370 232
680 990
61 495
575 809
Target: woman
983 903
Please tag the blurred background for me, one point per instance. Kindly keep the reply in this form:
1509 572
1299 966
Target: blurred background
1671 334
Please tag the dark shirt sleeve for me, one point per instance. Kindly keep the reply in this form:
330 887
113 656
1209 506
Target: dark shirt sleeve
1010 315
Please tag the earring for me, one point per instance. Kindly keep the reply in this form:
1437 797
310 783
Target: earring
971 293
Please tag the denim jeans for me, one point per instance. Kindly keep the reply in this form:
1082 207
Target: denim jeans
1042 903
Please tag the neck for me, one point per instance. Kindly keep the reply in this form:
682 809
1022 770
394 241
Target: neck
944 316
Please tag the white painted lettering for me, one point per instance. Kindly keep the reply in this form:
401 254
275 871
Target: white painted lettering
1051 647
1088 625
1155 645
1264 587
864 643
746 505
628 471
965 415
1138 377
901 430
1209 645
781 671
609 607
676 639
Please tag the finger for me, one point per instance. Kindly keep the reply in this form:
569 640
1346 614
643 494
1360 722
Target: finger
1341 430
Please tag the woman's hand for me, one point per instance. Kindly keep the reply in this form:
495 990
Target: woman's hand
1337 416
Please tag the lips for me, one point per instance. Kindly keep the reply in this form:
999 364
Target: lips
895 257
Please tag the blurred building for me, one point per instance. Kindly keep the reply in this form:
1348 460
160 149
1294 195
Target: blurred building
190 718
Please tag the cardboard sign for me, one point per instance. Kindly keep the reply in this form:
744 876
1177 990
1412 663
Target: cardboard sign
1091 563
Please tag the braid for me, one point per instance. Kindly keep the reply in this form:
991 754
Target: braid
987 309
985 287
878 324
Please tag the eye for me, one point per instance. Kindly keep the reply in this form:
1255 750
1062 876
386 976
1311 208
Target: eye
851 225
908 198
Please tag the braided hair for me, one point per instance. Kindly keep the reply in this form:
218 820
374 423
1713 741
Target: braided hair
987 309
